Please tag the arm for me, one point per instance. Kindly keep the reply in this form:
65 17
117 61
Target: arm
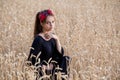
58 45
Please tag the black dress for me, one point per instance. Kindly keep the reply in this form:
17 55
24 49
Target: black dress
48 50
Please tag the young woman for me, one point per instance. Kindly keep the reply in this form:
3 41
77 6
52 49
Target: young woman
46 41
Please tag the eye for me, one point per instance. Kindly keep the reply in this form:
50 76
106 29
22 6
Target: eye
53 21
47 22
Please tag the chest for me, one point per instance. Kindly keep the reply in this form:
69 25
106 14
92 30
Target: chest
48 46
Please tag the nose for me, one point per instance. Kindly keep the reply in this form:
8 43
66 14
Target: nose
51 24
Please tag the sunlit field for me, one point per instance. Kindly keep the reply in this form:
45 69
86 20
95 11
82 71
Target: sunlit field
89 31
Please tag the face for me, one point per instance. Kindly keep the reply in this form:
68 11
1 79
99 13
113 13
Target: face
49 24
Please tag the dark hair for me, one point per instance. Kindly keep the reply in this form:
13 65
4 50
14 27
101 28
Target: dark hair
41 17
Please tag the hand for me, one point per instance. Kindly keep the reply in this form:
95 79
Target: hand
49 35
54 36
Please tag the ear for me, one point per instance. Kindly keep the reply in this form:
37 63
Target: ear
41 23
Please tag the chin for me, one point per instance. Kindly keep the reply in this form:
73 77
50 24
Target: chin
49 29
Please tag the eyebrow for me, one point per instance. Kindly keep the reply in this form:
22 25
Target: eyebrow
50 21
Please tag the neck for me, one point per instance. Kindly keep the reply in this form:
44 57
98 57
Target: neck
46 34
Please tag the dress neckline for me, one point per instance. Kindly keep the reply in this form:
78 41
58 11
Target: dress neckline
45 39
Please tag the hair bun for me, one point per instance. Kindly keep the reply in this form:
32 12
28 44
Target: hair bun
43 14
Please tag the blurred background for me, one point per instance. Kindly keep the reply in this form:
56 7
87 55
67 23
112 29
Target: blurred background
89 31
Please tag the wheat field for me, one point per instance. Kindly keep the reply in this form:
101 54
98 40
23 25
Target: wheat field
89 31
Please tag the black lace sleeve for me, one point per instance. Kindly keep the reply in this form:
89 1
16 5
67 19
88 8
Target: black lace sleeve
57 55
36 48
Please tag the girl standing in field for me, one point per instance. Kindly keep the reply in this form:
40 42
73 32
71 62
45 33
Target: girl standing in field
46 42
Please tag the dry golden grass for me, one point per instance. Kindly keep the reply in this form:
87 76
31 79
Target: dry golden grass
88 30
